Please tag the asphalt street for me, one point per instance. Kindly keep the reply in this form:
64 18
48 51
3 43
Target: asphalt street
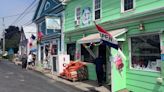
14 79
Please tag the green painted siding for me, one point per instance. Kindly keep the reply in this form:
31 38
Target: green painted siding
91 72
144 81
134 80
111 10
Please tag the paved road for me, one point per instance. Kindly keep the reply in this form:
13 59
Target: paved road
14 79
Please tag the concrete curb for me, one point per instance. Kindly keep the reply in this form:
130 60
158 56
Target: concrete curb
56 78
79 85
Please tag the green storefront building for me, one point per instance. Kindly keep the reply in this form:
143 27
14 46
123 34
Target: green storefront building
137 25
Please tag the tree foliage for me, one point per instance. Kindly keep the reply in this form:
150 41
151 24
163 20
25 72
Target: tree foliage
12 38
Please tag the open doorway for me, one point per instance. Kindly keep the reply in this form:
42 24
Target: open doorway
102 52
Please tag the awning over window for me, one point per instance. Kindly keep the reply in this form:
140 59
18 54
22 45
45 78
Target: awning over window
96 37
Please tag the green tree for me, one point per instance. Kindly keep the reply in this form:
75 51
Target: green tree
12 38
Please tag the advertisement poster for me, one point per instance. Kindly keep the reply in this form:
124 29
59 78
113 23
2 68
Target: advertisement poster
53 23
162 63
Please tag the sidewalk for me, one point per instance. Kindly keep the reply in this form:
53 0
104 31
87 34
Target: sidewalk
86 86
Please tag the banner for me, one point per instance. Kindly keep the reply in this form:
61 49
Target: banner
53 23
107 37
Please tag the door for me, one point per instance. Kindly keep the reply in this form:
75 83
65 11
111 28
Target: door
102 52
71 50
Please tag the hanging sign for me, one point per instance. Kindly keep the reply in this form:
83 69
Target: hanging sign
86 16
53 23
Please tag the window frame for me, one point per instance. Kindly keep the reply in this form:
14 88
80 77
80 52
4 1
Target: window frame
40 27
100 8
123 8
76 15
130 50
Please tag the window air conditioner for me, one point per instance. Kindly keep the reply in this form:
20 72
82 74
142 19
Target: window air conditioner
77 22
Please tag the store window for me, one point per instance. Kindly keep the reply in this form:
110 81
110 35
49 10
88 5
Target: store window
97 9
145 52
54 49
127 5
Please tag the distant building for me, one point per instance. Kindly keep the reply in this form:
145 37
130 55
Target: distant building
26 42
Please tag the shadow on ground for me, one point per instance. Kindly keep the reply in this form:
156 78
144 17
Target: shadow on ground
95 85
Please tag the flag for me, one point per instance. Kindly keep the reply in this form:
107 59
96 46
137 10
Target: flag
40 34
107 37
109 40
33 37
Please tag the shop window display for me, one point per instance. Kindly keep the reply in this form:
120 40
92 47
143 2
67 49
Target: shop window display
145 52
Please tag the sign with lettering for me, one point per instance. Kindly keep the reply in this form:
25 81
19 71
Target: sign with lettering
86 16
53 23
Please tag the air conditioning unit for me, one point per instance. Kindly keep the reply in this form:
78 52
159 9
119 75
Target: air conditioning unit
77 22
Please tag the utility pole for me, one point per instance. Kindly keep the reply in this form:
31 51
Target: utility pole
3 24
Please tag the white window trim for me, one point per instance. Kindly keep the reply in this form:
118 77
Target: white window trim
97 9
40 27
76 12
130 54
122 6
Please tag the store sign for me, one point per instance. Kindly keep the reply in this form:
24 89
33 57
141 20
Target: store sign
53 23
108 40
106 37
86 16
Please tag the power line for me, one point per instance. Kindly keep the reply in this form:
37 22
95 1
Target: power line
25 14
30 21
16 14
15 21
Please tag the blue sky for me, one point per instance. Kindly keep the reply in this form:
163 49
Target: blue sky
14 7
